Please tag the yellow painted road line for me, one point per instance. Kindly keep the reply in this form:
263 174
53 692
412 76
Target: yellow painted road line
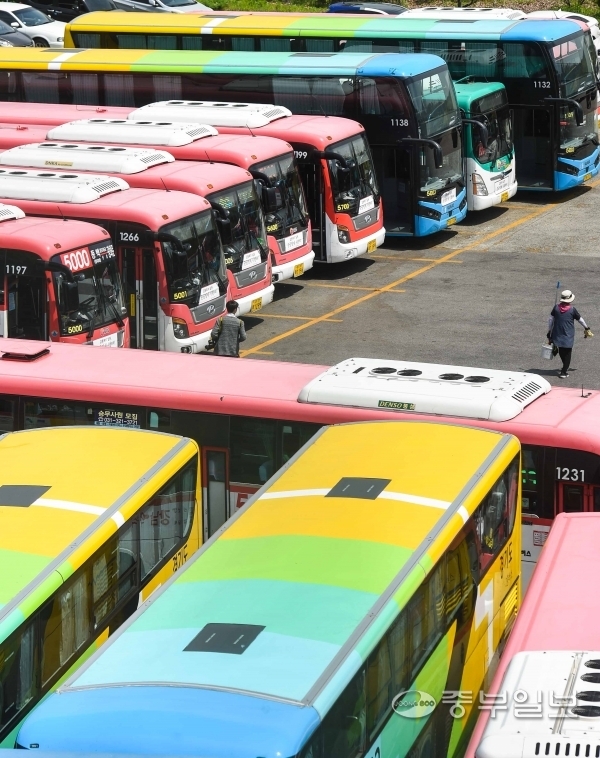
299 318
402 280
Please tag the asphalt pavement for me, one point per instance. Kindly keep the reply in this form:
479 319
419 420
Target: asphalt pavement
476 295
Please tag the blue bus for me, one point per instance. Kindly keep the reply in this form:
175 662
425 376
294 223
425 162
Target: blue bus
548 67
406 103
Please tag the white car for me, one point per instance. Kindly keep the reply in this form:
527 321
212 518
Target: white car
34 24
589 20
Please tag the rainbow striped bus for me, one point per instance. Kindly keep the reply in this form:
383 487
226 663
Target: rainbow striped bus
380 566
80 549
549 67
406 104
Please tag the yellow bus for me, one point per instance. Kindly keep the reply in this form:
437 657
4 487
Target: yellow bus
92 520
355 607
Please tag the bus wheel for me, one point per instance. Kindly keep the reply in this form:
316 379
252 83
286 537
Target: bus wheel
39 42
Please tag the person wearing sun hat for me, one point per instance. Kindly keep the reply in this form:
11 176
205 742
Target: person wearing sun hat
561 329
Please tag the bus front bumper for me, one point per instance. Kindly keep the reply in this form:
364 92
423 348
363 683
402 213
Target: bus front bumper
340 251
576 173
255 301
293 268
433 218
481 202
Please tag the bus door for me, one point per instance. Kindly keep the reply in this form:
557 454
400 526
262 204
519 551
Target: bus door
573 497
215 488
393 166
311 176
141 293
533 136
23 306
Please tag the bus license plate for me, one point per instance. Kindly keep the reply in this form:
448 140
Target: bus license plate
371 246
256 304
298 269
587 177
452 220
504 197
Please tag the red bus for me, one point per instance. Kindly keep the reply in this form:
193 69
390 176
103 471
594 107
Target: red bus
229 189
59 282
269 160
333 158
167 244
250 421
544 699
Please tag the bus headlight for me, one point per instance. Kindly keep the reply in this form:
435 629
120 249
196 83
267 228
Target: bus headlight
180 329
479 187
343 234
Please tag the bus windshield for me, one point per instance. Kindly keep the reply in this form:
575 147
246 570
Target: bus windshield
98 287
363 194
572 135
574 65
248 231
433 178
494 113
205 264
434 101
282 172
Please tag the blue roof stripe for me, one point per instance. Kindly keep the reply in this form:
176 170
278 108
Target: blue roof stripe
400 64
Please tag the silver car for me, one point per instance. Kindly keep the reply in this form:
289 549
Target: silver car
161 6
34 24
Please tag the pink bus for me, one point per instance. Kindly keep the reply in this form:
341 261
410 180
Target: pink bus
269 160
229 189
167 244
59 281
544 699
333 158
250 421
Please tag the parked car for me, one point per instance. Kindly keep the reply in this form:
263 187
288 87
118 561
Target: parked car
589 20
10 37
162 6
36 25
67 10
382 9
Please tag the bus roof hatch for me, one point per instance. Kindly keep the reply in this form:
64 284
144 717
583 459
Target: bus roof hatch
163 133
57 187
54 155
426 388
250 115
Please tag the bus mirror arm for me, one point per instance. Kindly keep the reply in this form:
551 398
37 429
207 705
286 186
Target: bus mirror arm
568 101
483 132
223 222
59 268
331 155
438 156
165 237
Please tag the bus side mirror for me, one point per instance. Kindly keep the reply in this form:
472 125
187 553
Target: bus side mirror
579 115
483 135
271 198
344 178
224 225
70 295
438 157
180 264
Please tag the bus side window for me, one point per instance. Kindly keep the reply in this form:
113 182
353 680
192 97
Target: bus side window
253 459
399 644
344 727
64 625
7 416
18 673
379 681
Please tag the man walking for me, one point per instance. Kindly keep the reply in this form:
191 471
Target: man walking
561 326
228 332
